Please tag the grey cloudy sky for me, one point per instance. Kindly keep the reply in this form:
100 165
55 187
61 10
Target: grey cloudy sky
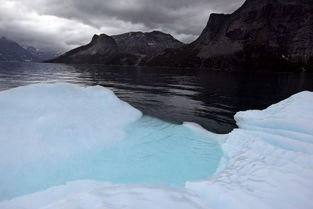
65 24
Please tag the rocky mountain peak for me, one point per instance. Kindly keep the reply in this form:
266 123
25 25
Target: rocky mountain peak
128 48
146 44
103 40
94 38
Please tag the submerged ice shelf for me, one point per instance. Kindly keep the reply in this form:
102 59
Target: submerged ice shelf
267 161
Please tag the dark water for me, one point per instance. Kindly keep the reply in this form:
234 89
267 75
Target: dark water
208 98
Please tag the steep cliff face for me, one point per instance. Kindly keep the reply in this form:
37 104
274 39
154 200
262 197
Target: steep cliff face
273 33
125 49
285 25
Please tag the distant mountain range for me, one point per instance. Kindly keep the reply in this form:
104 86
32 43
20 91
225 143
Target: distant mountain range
268 35
126 49
42 55
12 51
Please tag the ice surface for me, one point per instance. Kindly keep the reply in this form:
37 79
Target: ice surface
269 159
99 195
52 134
42 126
48 118
268 165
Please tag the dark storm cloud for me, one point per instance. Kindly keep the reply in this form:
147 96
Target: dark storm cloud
72 22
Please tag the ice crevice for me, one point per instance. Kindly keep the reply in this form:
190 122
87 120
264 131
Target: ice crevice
268 162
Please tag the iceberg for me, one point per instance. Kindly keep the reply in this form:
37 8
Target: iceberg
44 125
265 163
269 159
53 134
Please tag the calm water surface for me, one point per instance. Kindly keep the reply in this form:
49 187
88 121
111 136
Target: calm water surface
208 98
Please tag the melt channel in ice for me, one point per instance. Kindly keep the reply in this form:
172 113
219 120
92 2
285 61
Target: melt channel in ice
267 162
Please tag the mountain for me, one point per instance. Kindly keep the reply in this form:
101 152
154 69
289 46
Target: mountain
42 55
125 49
12 51
268 35
146 44
261 35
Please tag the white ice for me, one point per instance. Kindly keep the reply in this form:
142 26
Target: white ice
49 117
268 165
270 159
53 134
42 126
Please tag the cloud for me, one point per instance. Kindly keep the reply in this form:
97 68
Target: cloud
64 24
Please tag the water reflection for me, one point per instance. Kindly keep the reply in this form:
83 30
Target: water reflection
208 98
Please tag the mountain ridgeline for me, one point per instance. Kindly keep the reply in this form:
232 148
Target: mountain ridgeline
271 35
125 49
11 51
